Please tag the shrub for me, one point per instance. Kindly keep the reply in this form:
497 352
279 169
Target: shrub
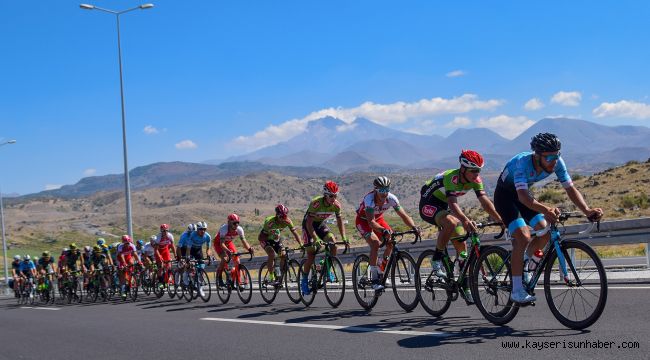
630 201
550 196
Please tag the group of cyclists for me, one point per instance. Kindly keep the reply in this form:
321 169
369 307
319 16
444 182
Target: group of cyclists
514 207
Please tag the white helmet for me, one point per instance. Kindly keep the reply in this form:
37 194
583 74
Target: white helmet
201 225
87 248
191 227
27 257
16 257
153 238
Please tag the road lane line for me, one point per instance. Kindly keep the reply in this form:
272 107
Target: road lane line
38 308
330 327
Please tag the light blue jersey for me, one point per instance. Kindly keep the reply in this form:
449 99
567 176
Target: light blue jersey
184 239
197 241
26 267
520 172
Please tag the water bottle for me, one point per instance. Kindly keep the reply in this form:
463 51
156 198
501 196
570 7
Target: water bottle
277 271
319 265
535 259
462 256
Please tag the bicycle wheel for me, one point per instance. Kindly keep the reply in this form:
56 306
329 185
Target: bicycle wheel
203 286
31 294
312 283
93 289
433 291
491 285
145 279
578 301
402 276
244 284
158 286
363 291
292 281
334 283
79 288
179 287
170 282
223 286
265 284
133 286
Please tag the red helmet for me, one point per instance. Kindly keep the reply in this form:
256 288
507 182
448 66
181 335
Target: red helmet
330 188
164 227
471 159
126 239
281 211
233 217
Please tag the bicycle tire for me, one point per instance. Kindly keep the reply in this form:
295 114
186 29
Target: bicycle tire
312 283
133 287
363 291
267 290
223 287
491 285
433 291
244 285
596 280
204 284
334 290
170 283
292 281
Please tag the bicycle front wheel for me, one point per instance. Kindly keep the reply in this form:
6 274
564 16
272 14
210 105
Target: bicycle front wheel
334 283
491 285
265 284
312 283
579 300
361 283
402 276
223 286
434 292
292 282
244 284
203 285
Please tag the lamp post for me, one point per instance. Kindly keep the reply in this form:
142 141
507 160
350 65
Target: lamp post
2 219
127 184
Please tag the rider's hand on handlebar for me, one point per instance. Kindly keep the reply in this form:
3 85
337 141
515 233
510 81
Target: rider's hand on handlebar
594 214
552 214
470 226
251 250
417 230
386 234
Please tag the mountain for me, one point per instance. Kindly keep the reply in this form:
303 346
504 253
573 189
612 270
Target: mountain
479 139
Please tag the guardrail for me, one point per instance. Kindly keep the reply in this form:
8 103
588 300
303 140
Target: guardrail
618 232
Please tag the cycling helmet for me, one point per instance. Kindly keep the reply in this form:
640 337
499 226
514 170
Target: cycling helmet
470 159
153 238
110 247
87 248
101 241
381 182
16 257
126 239
201 225
140 242
27 257
191 227
281 211
164 227
73 246
233 217
97 248
45 254
65 250
330 188
545 142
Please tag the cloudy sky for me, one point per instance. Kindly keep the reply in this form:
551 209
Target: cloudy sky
210 79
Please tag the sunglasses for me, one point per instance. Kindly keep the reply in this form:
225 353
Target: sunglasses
550 158
235 223
331 196
474 171
384 190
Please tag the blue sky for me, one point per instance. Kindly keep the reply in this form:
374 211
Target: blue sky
210 79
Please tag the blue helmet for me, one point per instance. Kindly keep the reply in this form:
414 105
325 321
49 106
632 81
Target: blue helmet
140 242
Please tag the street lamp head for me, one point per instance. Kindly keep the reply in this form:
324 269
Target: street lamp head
86 6
146 6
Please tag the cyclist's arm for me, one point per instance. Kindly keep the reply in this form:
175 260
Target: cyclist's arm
452 201
488 206
244 242
156 251
523 195
310 227
370 218
577 199
295 235
405 217
339 224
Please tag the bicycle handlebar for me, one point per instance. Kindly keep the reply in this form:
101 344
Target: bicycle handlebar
400 234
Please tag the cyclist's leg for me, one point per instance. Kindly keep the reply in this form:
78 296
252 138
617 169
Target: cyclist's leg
308 244
270 253
537 222
389 245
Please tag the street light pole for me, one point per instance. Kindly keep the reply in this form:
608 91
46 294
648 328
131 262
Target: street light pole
127 183
2 219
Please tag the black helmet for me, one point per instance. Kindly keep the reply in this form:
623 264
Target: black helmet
545 142
381 182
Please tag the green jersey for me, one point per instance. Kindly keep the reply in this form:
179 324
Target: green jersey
273 225
321 210
448 183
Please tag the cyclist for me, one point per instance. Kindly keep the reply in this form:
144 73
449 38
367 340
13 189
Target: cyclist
45 267
517 206
105 250
269 236
439 206
71 257
126 253
314 226
148 253
223 242
85 258
195 245
15 273
112 250
164 247
371 224
182 241
28 271
98 259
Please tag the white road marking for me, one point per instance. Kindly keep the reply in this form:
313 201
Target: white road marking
39 308
330 327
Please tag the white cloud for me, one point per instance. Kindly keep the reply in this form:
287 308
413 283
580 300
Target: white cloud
456 73
533 104
52 187
623 109
459 121
567 98
506 126
384 114
150 130
186 145
90 172
345 127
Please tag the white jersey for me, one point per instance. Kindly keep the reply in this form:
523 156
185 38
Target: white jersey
225 235
368 202
148 250
167 240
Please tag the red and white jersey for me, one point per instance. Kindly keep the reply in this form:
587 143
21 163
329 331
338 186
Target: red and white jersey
126 249
368 201
164 241
227 235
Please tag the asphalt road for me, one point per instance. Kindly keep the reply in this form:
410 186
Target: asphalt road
173 329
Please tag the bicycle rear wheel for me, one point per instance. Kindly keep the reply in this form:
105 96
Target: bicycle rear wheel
433 291
170 282
312 283
292 281
403 276
578 301
244 284
491 285
223 286
133 286
79 290
203 286
334 283
361 284
265 284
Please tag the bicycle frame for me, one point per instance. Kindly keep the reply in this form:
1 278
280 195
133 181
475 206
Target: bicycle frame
392 258
327 260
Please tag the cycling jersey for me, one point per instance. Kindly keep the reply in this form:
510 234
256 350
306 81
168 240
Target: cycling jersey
86 259
273 225
15 265
45 264
226 235
368 202
27 266
148 250
320 210
520 172
195 240
448 183
164 241
71 258
98 259
183 241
